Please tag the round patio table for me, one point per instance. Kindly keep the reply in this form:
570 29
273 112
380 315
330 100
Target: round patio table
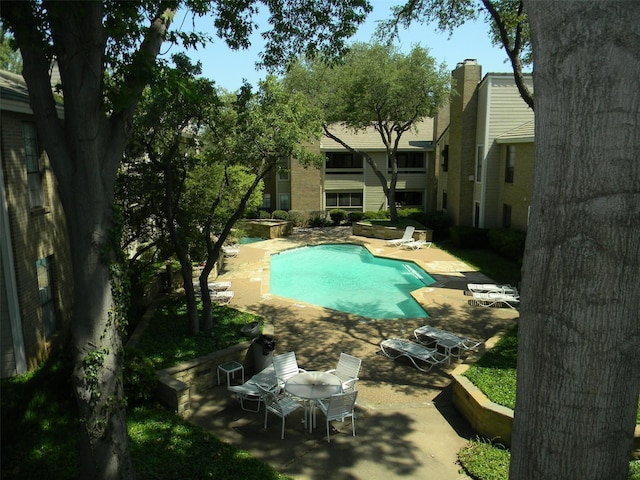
313 386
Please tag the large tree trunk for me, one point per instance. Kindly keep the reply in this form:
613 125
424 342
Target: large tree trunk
579 338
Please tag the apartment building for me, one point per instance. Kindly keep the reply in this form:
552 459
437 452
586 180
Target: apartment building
474 160
347 181
484 143
36 286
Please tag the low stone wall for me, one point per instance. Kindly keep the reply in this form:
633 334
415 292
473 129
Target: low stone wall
177 384
368 230
491 420
267 228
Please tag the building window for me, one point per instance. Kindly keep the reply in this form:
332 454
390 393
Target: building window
32 157
410 162
341 162
506 215
284 202
445 158
283 170
510 164
408 199
479 157
45 288
476 214
343 199
444 200
266 201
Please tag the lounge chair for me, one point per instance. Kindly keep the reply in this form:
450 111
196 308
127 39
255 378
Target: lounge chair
347 371
452 344
415 244
222 297
407 236
491 287
231 250
495 299
249 390
219 286
397 347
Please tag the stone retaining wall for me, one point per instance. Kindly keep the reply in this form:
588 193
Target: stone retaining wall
177 384
491 420
368 230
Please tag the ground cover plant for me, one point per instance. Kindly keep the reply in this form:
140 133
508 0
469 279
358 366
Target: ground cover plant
495 375
166 340
40 423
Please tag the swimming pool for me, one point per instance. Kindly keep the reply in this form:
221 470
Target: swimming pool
349 278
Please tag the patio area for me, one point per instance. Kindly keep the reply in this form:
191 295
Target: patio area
406 425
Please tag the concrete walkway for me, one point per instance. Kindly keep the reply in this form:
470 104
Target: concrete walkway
407 426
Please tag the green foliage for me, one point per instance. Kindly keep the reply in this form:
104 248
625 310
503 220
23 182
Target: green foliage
139 377
379 214
167 339
40 434
297 218
10 58
440 222
483 460
338 215
263 214
165 446
414 213
355 217
508 242
318 219
495 373
469 237
280 215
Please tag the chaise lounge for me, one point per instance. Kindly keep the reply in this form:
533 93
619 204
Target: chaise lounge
407 236
452 344
397 347
495 299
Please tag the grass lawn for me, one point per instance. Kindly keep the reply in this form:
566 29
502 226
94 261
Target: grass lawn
495 375
39 418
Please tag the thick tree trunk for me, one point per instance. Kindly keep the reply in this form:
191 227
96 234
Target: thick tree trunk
579 338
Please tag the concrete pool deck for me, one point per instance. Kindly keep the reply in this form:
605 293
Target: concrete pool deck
407 426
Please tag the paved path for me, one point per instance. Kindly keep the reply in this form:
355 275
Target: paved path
407 426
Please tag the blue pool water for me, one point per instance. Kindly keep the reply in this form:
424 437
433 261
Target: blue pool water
348 278
248 240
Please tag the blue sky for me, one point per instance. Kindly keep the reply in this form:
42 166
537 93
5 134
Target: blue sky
228 68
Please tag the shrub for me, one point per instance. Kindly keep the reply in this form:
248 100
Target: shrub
297 218
139 377
280 215
380 214
338 215
263 214
318 219
439 222
469 237
508 242
355 217
413 213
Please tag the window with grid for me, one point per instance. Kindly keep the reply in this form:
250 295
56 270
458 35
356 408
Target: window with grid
445 158
410 162
45 290
266 201
408 199
444 200
343 199
283 170
341 162
510 164
32 158
284 202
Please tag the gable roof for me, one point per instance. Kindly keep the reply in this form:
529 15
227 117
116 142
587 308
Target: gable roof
419 138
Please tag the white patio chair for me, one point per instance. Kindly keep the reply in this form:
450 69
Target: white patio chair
339 407
491 287
220 286
495 299
407 236
280 405
231 250
285 366
347 371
